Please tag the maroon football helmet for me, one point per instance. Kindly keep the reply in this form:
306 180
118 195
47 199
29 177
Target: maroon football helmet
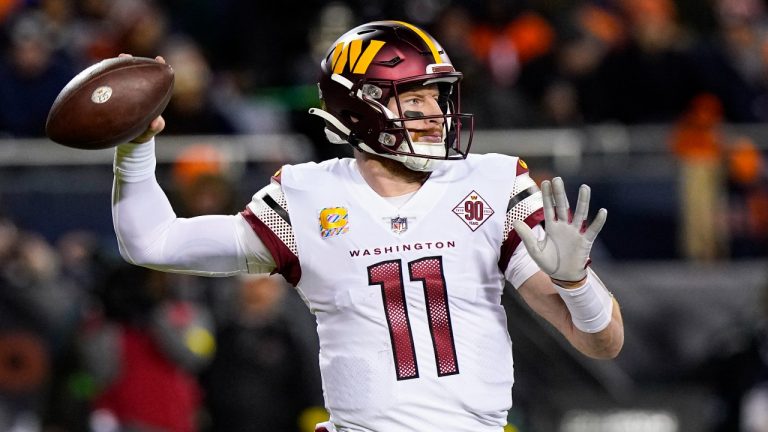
366 67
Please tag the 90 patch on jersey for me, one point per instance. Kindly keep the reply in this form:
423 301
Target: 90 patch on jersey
473 210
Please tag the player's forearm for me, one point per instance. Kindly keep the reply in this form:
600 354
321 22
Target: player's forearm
140 209
594 317
605 344
140 214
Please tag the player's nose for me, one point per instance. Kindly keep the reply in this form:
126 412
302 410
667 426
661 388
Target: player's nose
433 109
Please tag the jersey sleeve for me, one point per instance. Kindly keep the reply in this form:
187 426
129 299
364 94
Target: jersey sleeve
267 216
521 266
149 234
525 204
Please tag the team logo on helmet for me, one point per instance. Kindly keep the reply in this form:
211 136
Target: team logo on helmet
352 53
473 210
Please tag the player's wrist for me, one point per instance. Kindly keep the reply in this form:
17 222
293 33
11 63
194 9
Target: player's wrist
135 161
590 304
567 284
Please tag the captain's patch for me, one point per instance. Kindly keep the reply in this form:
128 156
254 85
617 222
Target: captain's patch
333 221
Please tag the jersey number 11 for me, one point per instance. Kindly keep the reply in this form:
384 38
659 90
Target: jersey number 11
428 271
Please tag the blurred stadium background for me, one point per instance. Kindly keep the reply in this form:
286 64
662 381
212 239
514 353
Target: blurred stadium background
659 105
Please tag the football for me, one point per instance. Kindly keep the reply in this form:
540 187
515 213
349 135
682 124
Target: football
110 103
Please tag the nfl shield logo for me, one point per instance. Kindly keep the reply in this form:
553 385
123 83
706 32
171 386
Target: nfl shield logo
399 225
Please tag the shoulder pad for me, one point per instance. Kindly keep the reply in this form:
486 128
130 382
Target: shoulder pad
271 208
524 200
309 174
495 166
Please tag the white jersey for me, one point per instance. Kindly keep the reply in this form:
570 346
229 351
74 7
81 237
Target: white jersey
412 333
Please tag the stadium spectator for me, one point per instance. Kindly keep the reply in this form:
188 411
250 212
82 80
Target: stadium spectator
739 376
193 107
145 383
575 94
747 198
38 310
31 75
699 144
653 76
263 375
737 65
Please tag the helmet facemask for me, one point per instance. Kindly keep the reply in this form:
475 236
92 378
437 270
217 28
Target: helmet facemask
394 140
397 141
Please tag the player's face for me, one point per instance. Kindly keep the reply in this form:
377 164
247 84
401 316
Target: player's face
417 102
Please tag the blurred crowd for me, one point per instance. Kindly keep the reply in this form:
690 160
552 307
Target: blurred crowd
87 343
243 66
90 343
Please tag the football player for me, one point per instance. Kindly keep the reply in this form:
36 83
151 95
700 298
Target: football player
401 252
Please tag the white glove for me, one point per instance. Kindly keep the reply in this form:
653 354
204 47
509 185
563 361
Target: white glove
564 252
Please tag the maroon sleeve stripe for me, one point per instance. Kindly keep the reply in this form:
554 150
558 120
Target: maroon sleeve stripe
513 239
287 262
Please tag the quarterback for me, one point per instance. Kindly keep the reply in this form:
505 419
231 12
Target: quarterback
402 252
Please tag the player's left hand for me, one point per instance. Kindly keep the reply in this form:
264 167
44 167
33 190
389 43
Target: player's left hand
564 252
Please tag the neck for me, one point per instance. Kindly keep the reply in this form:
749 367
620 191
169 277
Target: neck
388 177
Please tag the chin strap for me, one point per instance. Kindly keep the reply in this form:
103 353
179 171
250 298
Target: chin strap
333 136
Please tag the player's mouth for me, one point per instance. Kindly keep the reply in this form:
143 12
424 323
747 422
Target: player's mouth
428 137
